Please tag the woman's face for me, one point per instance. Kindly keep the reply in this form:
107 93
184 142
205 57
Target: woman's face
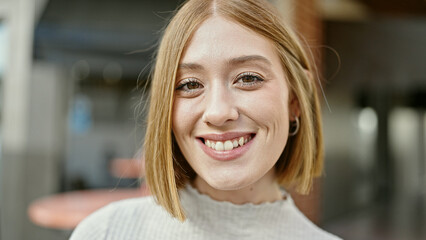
231 109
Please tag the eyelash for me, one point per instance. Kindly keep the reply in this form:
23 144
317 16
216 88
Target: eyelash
258 78
184 83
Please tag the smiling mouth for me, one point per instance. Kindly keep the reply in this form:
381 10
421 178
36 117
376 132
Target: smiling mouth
228 145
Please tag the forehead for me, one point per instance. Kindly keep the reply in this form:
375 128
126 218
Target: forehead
218 38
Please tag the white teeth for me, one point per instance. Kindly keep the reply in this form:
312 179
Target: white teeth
228 145
241 141
219 146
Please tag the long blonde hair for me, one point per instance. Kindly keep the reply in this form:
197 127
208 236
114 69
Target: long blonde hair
166 169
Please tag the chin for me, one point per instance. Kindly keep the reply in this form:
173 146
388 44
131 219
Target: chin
229 183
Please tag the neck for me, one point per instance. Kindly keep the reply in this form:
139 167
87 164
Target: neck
264 190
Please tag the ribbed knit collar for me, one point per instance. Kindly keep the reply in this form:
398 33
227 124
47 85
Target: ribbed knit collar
205 212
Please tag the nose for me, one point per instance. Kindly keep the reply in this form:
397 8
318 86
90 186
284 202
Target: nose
220 107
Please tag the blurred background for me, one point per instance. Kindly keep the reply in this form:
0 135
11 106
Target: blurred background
71 110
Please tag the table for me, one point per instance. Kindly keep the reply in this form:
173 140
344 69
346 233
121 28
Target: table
66 210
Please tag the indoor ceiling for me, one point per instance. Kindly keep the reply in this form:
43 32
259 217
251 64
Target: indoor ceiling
101 32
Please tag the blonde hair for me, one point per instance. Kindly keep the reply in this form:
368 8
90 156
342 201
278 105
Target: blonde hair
166 169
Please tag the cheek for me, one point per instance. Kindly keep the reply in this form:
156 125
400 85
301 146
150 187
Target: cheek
184 117
268 108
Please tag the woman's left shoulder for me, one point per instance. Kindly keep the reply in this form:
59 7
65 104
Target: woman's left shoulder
305 228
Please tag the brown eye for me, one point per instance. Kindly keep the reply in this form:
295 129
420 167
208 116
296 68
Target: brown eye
193 85
189 85
249 81
248 78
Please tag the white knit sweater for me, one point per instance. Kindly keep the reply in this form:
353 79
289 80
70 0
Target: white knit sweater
143 219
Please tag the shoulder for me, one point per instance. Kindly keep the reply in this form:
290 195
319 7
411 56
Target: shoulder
303 228
115 219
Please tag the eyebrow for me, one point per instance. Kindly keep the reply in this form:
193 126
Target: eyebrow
190 66
249 58
232 61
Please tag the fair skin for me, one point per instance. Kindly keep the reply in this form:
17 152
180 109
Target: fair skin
231 112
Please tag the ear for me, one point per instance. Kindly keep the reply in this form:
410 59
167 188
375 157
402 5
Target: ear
294 107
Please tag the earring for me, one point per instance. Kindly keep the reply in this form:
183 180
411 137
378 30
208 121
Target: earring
295 126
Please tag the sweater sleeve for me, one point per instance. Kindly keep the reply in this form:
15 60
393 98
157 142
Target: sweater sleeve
95 226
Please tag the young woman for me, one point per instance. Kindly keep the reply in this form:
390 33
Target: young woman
234 115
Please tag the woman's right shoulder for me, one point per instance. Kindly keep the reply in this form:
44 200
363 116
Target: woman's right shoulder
117 218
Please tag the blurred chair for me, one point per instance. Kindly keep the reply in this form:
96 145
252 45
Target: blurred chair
65 210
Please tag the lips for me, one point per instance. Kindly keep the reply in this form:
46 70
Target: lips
226 146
